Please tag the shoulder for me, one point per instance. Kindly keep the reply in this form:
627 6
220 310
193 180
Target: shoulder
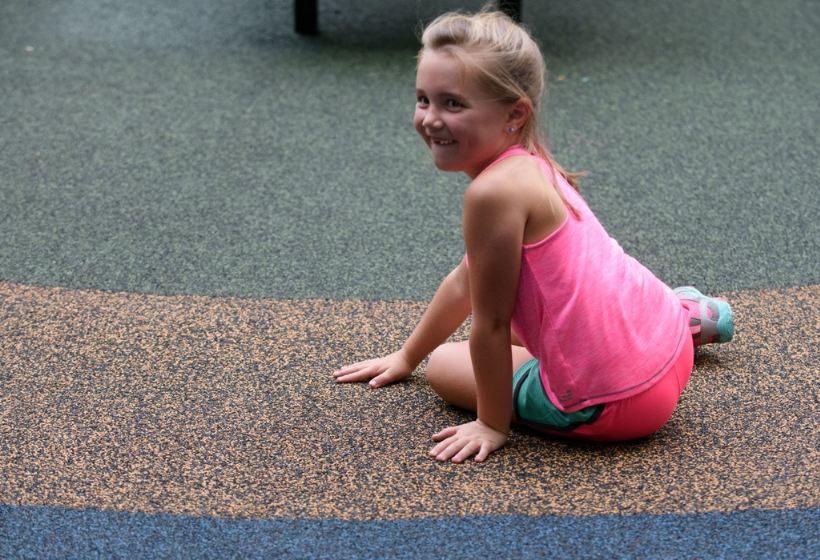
509 183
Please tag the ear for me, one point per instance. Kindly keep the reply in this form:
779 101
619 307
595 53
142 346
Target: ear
519 113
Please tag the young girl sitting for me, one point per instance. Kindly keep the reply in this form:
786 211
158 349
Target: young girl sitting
569 334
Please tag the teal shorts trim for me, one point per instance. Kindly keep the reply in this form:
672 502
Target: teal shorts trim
533 408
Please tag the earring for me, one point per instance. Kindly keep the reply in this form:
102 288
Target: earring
512 129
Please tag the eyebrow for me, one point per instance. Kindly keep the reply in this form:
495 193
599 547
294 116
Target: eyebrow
447 94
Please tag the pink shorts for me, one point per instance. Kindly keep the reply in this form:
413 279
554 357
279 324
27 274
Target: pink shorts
626 419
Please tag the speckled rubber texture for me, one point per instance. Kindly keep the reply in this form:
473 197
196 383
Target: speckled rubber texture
226 407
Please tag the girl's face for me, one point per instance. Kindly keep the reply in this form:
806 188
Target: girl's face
462 125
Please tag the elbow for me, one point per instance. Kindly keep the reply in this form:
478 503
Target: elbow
458 282
489 337
490 326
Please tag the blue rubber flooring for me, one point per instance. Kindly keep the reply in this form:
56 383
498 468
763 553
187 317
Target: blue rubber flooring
38 532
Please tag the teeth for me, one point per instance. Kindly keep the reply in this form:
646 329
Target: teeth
444 142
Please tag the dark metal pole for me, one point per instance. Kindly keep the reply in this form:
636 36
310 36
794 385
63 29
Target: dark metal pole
306 13
511 7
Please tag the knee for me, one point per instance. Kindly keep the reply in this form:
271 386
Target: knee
436 366
443 365
450 374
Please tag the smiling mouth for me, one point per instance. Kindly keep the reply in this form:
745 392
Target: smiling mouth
442 142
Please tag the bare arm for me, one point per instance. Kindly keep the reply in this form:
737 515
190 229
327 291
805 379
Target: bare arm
494 223
447 311
493 232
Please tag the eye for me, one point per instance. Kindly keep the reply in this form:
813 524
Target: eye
453 104
422 100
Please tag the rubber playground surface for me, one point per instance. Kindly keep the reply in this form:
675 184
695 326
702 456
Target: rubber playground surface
202 215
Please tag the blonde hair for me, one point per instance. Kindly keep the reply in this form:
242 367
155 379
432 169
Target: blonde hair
507 63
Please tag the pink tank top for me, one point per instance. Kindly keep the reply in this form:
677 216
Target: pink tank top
602 326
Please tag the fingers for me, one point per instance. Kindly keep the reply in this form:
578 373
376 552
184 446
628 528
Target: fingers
380 378
451 446
445 438
349 375
355 372
458 450
384 379
483 453
445 433
383 371
461 442
353 367
440 451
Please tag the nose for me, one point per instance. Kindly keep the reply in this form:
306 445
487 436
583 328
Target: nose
431 120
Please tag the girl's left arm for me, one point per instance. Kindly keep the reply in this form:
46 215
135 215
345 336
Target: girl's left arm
494 222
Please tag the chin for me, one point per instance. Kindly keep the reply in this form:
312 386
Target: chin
447 165
447 162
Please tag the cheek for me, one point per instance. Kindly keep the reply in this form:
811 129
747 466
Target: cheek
418 119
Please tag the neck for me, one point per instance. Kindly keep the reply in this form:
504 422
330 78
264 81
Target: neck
473 174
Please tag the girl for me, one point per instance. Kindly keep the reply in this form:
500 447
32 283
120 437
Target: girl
569 334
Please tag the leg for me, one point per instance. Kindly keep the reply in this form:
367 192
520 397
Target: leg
450 372
645 413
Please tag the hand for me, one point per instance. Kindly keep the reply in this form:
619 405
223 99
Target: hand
460 442
382 371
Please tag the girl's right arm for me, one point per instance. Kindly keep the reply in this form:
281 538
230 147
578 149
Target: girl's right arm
448 310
